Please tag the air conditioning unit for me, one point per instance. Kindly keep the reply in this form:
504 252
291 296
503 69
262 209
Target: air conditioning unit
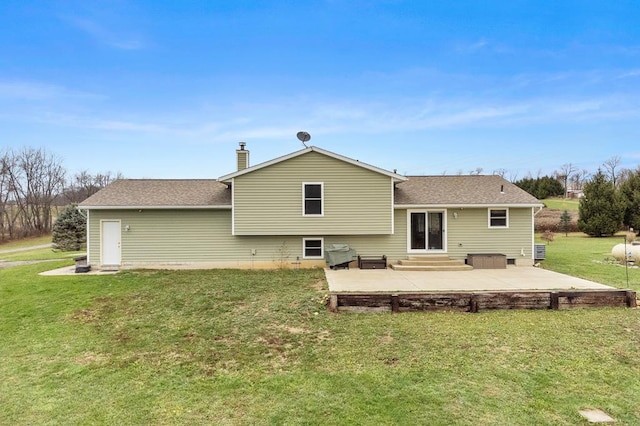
540 251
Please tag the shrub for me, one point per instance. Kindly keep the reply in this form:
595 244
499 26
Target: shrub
70 230
548 236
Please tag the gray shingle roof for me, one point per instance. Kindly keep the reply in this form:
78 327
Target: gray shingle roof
460 190
161 193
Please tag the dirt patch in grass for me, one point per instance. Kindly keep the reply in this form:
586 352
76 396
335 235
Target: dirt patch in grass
320 285
90 358
387 339
84 316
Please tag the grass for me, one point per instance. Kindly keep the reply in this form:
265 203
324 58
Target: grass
259 347
589 258
26 242
35 254
39 254
569 204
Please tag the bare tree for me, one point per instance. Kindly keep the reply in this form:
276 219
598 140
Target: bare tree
579 178
477 171
33 185
4 196
83 185
500 172
33 178
625 174
611 169
564 175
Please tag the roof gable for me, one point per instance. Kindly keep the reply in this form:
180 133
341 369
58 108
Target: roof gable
396 177
463 190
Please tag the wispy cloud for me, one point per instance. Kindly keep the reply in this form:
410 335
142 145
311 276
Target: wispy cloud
107 36
629 74
36 91
472 47
338 118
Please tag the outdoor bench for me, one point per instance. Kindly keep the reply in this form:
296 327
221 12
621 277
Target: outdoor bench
372 262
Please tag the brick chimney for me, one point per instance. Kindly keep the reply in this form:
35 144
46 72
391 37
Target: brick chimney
243 156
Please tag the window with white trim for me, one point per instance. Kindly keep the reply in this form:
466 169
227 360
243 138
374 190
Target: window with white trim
498 218
312 199
313 248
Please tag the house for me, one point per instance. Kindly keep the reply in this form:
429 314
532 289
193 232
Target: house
284 212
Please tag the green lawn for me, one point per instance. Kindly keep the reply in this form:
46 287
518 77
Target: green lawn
562 203
36 254
39 254
259 347
589 258
26 242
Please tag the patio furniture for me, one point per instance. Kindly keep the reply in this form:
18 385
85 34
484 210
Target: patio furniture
487 260
81 264
339 255
372 262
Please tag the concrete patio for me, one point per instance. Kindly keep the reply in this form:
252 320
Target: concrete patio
387 290
511 279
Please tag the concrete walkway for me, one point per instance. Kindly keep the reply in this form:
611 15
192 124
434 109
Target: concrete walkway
71 270
512 278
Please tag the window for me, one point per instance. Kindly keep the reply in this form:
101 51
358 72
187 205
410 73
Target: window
312 194
498 218
312 248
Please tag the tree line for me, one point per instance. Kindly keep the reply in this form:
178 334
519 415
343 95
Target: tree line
609 199
33 186
569 179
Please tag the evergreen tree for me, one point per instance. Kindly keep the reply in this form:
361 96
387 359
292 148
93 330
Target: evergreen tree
565 223
601 209
70 230
630 193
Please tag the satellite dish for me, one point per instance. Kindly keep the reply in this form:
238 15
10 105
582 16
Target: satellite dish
304 137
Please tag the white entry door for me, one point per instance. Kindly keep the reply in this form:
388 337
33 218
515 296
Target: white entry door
110 249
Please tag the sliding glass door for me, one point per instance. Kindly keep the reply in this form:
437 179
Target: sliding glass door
426 231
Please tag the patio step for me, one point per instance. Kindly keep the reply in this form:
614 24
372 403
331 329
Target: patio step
447 262
431 263
429 257
460 267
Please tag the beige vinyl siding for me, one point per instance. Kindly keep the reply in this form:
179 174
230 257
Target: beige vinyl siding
204 236
393 246
269 201
470 233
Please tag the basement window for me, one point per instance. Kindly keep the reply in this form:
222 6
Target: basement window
312 199
312 248
498 218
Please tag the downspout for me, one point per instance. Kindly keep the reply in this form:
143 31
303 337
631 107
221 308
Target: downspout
533 232
86 216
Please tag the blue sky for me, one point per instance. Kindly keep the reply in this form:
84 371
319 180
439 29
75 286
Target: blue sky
167 89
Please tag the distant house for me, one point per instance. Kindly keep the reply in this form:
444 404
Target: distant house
288 210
